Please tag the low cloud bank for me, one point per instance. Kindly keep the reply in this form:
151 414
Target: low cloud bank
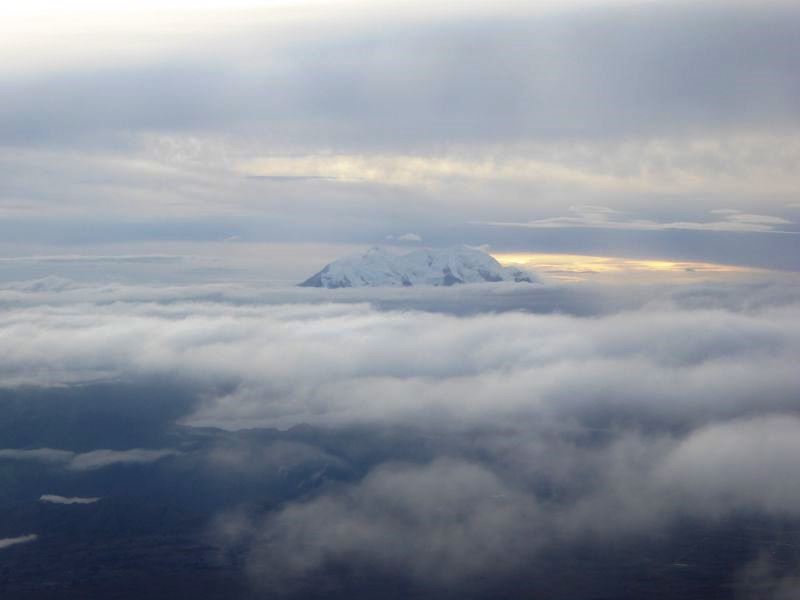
346 364
455 520
533 432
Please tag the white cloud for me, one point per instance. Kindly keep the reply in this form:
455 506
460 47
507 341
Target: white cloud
24 539
681 403
418 367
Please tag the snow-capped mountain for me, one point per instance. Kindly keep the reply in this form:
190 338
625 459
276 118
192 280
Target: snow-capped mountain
450 266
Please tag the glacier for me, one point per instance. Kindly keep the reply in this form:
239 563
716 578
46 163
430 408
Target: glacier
379 268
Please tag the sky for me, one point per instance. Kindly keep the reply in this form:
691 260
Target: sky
304 130
169 171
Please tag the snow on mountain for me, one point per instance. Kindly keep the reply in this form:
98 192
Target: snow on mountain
450 266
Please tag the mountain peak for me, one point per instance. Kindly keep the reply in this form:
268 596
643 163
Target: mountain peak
443 267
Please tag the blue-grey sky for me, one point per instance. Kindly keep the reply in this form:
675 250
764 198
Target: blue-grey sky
303 130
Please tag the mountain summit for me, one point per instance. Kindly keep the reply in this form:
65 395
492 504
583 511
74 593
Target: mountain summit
450 266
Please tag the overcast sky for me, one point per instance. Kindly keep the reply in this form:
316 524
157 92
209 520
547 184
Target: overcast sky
303 130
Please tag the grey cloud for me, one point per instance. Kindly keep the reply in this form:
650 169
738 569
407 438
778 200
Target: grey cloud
738 465
643 69
514 372
641 483
81 104
99 459
664 110
68 258
406 237
55 499
447 521
606 218
768 578
292 177
85 461
46 455
48 284
278 457
455 521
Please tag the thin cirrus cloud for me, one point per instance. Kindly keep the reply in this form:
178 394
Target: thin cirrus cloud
603 217
72 258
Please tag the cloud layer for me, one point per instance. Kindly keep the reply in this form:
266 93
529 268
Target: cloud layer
453 521
282 364
529 431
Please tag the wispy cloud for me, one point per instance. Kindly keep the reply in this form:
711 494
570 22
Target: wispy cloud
99 459
78 258
88 461
23 539
46 455
406 237
603 217
54 499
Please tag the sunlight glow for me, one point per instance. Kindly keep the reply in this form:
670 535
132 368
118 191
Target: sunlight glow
576 267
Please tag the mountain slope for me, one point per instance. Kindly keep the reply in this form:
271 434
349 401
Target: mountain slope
378 268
